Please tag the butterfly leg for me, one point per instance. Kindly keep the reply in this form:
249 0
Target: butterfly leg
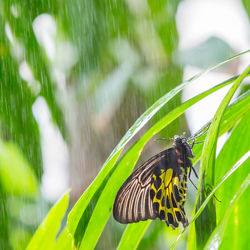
192 168
193 183
194 143
210 188
189 176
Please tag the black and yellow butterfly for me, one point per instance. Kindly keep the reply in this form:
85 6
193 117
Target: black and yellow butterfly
158 188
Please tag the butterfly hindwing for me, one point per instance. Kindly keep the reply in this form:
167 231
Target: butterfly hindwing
166 197
183 187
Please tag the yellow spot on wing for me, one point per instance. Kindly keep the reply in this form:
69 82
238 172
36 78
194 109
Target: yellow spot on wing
168 176
175 181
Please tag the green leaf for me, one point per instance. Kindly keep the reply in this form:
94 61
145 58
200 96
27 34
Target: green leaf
16 175
132 235
232 115
236 234
235 111
206 223
226 158
16 100
103 207
44 237
65 240
240 163
77 211
217 236
22 29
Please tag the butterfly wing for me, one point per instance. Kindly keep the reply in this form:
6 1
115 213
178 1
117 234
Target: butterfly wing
133 202
152 191
167 202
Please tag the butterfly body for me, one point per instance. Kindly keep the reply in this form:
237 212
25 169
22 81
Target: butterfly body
157 189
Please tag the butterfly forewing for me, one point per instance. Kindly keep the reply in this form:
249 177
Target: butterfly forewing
133 202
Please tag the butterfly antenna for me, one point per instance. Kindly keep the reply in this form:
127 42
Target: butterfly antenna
206 127
199 134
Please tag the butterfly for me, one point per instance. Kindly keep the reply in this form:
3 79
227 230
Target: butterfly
158 188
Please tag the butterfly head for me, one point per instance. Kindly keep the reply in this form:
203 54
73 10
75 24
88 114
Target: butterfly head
182 144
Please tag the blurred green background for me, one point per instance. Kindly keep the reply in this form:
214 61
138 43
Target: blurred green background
74 76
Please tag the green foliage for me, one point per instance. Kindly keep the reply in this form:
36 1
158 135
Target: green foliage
133 235
45 236
16 101
228 227
123 57
23 33
207 169
12 166
102 192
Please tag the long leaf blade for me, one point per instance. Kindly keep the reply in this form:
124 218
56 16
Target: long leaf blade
206 223
44 238
237 165
216 238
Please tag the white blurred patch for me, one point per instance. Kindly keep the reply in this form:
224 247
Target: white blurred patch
61 53
66 56
45 30
27 75
14 8
204 110
55 180
9 33
226 19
